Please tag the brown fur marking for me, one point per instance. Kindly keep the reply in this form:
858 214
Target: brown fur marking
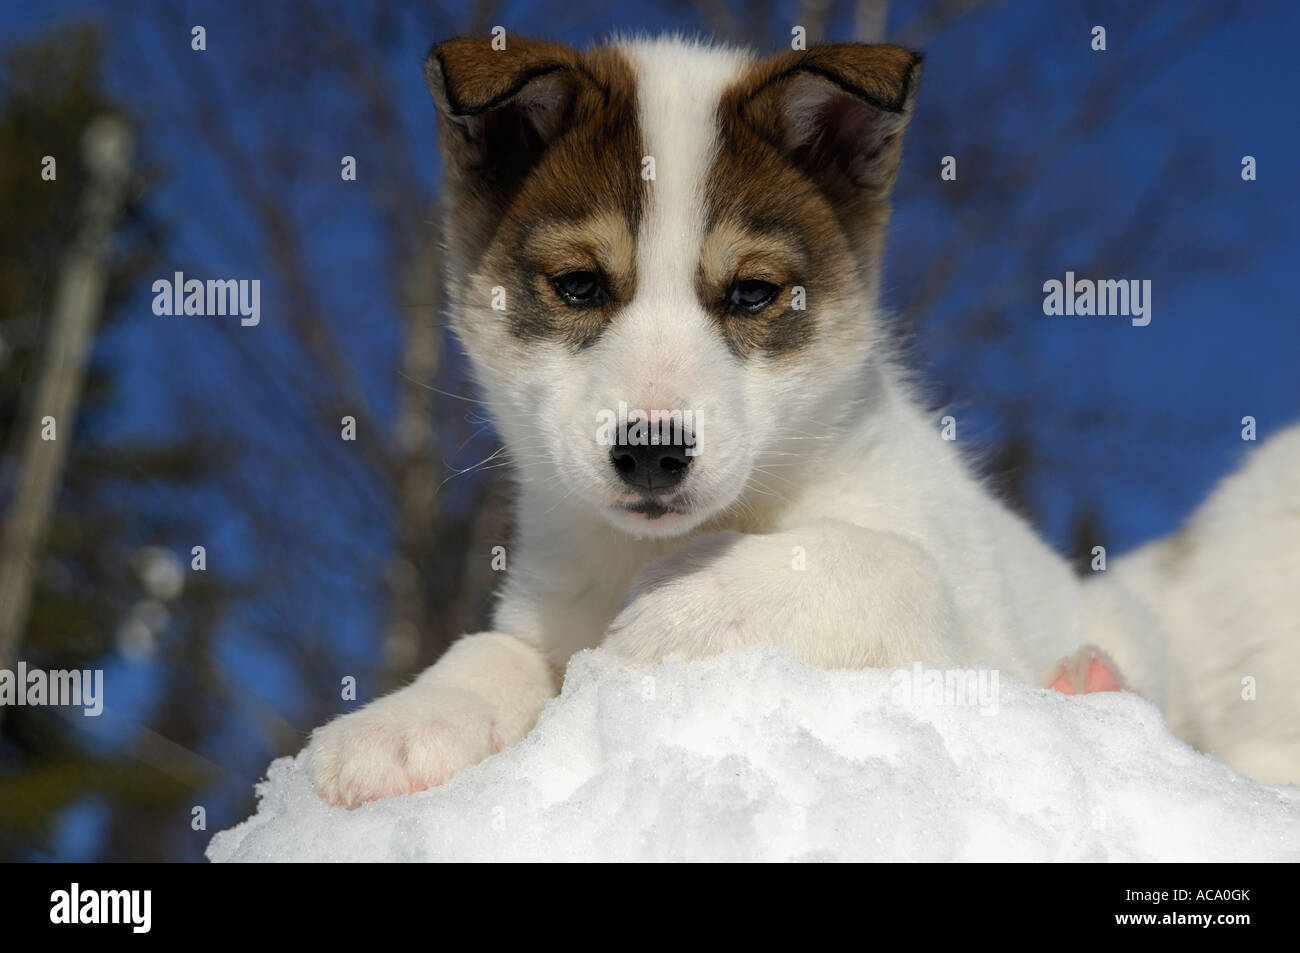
829 225
565 161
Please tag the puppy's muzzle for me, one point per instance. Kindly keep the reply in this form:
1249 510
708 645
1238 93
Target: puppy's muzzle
656 464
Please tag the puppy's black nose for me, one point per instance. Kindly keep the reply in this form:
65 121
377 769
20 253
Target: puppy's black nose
650 466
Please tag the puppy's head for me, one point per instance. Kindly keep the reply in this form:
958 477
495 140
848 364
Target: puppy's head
664 257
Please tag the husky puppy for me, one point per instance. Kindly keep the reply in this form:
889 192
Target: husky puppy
664 263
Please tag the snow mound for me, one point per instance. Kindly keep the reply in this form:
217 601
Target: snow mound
755 756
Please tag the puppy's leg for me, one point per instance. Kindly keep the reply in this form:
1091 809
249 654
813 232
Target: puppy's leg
482 696
837 595
1087 670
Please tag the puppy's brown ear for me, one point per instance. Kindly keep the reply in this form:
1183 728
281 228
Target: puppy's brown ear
837 110
499 108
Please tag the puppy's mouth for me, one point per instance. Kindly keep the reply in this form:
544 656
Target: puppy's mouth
653 514
652 509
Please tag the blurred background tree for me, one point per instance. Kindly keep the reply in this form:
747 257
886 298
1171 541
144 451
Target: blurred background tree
105 578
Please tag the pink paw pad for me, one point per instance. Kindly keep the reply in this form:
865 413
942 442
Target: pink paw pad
1087 670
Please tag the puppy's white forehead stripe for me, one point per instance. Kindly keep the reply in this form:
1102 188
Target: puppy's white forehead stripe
679 87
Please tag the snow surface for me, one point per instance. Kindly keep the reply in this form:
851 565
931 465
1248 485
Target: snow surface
754 756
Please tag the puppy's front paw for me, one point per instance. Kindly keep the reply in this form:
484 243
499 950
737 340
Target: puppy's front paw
697 603
414 739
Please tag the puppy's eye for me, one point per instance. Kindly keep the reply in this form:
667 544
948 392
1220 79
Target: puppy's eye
579 287
746 297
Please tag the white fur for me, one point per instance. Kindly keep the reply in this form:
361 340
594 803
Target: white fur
664 352
1226 589
830 459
